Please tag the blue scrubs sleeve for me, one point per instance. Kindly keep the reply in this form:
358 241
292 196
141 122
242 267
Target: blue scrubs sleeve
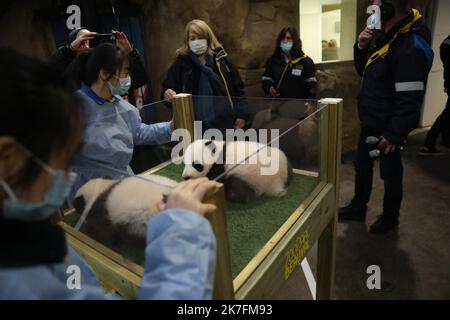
180 257
149 134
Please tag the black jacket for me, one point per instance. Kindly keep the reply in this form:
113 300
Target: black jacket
64 56
299 81
445 57
394 82
184 77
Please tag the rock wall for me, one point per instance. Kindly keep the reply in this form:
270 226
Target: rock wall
246 28
22 28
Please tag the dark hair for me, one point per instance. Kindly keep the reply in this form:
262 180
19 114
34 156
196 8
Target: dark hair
401 6
38 110
86 66
296 51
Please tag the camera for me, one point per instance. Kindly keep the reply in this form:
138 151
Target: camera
102 38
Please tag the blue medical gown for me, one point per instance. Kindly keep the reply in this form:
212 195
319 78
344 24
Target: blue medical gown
179 265
112 129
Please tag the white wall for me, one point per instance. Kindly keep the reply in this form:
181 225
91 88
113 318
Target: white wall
330 19
311 28
348 28
314 27
435 97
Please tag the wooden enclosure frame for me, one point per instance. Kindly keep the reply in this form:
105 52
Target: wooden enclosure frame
313 221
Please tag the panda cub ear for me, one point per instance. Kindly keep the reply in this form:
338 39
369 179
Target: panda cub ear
211 146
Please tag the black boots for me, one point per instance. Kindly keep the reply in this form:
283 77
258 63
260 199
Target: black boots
353 213
384 224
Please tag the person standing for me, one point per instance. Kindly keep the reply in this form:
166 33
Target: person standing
395 66
442 124
79 43
289 73
202 68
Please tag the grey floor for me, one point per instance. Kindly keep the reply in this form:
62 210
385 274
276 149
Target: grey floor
415 259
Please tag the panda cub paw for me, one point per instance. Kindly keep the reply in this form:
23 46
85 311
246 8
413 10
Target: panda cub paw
281 194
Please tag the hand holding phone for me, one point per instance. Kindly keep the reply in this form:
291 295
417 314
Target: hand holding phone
102 38
122 41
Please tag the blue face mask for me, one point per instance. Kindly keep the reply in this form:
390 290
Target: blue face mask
123 88
16 209
286 47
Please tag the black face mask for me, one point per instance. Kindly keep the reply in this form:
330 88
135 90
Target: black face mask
378 35
387 11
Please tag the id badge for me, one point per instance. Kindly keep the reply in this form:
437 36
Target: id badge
297 72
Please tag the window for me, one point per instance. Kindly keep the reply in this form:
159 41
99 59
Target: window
328 29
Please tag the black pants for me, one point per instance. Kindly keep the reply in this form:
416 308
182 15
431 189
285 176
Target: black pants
391 170
441 126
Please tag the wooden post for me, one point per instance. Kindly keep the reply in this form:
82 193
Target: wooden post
327 242
183 114
184 118
223 282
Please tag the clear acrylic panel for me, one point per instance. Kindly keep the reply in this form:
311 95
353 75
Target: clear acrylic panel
106 206
292 126
115 212
144 156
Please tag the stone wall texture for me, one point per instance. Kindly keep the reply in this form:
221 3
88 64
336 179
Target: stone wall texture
22 28
246 28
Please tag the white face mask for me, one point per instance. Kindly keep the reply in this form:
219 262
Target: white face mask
198 47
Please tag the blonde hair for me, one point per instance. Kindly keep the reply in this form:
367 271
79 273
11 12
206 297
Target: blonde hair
200 28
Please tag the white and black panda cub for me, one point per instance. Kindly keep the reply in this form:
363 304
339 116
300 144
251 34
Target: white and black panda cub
251 179
121 208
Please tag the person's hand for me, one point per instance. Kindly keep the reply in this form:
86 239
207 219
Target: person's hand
387 146
365 38
189 195
239 123
80 44
169 94
274 92
122 41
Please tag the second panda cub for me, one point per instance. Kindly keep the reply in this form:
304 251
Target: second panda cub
121 208
256 169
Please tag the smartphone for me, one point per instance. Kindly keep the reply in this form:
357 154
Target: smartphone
102 38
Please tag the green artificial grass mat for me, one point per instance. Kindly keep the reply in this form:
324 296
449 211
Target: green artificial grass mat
250 225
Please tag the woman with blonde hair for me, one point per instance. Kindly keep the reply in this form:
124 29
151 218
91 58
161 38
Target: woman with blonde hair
203 69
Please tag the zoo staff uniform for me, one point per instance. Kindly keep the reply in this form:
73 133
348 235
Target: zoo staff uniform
395 71
111 131
294 79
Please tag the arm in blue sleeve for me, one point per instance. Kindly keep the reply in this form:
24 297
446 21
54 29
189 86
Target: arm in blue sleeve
180 257
150 134
153 134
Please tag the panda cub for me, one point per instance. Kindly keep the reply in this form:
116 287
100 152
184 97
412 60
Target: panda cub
121 208
206 158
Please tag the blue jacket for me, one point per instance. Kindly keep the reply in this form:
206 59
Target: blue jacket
112 129
180 264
